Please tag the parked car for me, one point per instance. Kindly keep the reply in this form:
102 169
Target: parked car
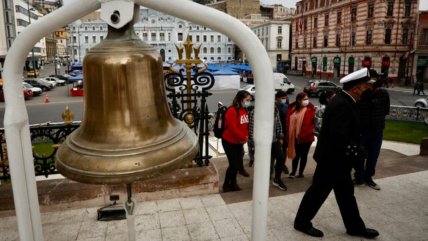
422 102
315 87
27 93
58 81
41 83
33 73
251 89
61 76
36 90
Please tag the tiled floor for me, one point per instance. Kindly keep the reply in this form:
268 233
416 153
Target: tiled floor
398 211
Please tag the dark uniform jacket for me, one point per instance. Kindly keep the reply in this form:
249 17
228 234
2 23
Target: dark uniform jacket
374 111
340 133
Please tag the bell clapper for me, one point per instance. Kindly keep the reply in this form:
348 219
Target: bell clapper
129 208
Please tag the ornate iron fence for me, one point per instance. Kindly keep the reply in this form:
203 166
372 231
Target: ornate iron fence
188 102
45 139
408 113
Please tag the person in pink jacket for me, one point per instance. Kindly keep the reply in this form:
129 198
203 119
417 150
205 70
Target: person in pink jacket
235 135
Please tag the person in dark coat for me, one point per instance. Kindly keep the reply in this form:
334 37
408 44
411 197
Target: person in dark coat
373 110
336 151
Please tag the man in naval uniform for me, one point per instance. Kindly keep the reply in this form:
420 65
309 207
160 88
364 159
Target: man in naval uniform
336 152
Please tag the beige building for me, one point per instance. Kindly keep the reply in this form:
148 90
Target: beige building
331 38
237 8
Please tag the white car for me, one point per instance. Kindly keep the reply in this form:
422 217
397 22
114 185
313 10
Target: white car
36 90
60 82
422 102
250 89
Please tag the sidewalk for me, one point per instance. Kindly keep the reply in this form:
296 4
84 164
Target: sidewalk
398 211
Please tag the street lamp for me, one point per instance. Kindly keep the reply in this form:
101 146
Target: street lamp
32 49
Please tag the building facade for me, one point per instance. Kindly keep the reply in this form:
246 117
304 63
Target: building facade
275 36
331 38
421 59
160 30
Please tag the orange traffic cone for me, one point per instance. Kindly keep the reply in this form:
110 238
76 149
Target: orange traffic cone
46 98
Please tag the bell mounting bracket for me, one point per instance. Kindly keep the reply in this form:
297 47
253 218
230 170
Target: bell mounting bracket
117 13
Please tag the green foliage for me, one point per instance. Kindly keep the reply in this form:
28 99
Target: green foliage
43 149
405 131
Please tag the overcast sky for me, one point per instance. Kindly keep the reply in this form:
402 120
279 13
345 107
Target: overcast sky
423 4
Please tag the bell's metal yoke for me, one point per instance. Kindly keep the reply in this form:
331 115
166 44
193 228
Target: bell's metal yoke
117 13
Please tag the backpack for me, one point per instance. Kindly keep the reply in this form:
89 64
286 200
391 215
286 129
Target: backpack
219 121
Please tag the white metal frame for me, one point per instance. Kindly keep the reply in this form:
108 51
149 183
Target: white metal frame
16 117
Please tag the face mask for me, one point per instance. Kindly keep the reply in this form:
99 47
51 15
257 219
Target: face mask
367 95
283 101
305 102
247 104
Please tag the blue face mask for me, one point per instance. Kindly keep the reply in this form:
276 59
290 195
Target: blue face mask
247 104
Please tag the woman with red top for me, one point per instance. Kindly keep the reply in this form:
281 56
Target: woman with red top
235 135
300 130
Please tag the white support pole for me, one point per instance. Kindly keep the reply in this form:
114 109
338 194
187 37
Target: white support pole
16 118
263 76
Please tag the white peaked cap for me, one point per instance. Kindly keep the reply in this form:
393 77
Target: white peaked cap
362 75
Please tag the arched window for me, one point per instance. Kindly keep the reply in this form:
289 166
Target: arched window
204 50
211 50
218 50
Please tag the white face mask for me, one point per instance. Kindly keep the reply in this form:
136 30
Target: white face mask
247 104
283 101
305 102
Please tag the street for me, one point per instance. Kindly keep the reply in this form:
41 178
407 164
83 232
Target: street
41 112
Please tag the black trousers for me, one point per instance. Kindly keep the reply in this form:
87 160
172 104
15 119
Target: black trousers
277 158
327 178
234 153
302 150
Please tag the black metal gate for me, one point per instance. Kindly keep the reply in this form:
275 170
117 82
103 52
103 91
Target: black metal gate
188 102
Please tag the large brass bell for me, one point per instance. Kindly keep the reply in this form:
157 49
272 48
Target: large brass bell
127 132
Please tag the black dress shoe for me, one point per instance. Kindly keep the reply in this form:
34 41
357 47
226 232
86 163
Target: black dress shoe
311 231
243 173
235 187
367 233
227 188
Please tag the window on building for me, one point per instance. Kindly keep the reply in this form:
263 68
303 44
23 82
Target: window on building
162 36
101 38
190 37
204 50
353 14
315 23
305 24
369 36
407 8
390 8
212 38
388 32
370 10
211 50
424 40
229 50
405 36
145 37
279 29
314 42
297 25
94 39
279 43
218 38
297 43
326 20
326 40
180 37
153 37
339 17
353 38
337 39
205 38
169 36
86 28
93 28
197 38
74 39
86 39
304 42
219 50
